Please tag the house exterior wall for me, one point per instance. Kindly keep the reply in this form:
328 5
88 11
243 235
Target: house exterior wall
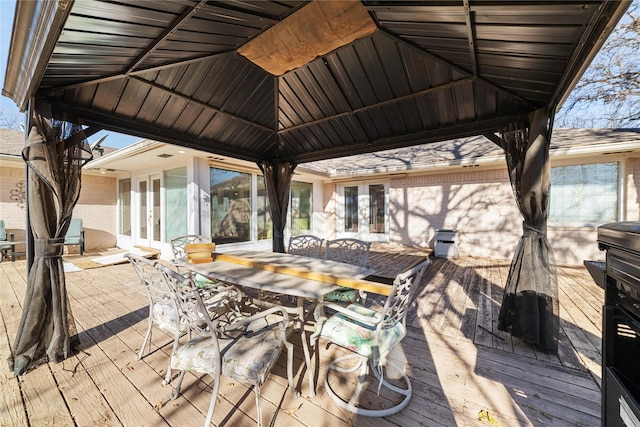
479 204
632 183
13 202
96 207
329 214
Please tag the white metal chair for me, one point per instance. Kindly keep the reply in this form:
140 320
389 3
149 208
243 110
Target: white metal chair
306 245
371 335
350 251
178 246
179 243
163 311
244 349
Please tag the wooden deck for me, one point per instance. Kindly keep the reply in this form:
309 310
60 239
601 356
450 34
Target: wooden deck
464 371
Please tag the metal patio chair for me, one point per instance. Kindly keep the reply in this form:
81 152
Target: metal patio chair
306 245
178 244
350 251
244 348
163 311
370 334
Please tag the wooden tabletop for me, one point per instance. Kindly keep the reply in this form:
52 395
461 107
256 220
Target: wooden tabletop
285 273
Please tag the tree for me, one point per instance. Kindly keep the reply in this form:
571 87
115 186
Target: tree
608 95
11 120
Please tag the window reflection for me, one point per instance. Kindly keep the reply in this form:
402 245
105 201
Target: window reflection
230 206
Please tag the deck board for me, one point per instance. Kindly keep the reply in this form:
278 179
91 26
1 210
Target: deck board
462 368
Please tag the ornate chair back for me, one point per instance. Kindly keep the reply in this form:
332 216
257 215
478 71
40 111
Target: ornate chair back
178 244
350 251
306 245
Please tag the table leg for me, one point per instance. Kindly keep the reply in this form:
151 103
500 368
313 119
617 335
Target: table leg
305 347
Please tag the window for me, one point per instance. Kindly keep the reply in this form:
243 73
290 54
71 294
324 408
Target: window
124 207
265 226
301 207
175 182
230 206
351 209
584 194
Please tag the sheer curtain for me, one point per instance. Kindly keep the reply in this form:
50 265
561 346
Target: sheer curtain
277 178
530 305
54 154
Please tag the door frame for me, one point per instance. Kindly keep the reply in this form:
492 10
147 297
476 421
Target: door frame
364 210
152 215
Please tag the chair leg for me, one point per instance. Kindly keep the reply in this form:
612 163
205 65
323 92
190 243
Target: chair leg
147 337
176 341
214 397
290 369
176 391
305 347
351 405
256 388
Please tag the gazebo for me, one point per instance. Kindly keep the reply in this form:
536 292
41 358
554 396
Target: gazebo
281 83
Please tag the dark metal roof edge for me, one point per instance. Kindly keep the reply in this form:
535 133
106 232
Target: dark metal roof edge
41 24
563 90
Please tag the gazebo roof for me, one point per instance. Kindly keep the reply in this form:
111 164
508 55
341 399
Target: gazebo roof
412 72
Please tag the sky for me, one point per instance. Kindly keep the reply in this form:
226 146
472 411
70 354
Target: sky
7 10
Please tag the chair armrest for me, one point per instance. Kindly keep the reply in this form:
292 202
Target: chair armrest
377 318
247 320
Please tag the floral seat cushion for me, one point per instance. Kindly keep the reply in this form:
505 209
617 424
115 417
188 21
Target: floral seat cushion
249 359
360 337
165 314
341 295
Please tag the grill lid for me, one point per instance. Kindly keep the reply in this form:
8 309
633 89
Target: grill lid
624 235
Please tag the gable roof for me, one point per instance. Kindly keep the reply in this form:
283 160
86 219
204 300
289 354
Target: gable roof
174 71
473 151
12 142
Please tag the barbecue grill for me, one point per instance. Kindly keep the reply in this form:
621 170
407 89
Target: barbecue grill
621 324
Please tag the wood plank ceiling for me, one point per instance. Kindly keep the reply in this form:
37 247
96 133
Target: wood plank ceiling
433 70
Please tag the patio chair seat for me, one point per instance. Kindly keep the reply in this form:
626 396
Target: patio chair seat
342 295
360 337
248 359
165 315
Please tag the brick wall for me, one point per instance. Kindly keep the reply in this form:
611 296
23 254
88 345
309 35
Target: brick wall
96 207
479 204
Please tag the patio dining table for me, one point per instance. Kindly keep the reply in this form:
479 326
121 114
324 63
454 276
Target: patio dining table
293 275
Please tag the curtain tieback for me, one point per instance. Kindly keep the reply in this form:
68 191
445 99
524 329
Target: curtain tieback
49 248
533 228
